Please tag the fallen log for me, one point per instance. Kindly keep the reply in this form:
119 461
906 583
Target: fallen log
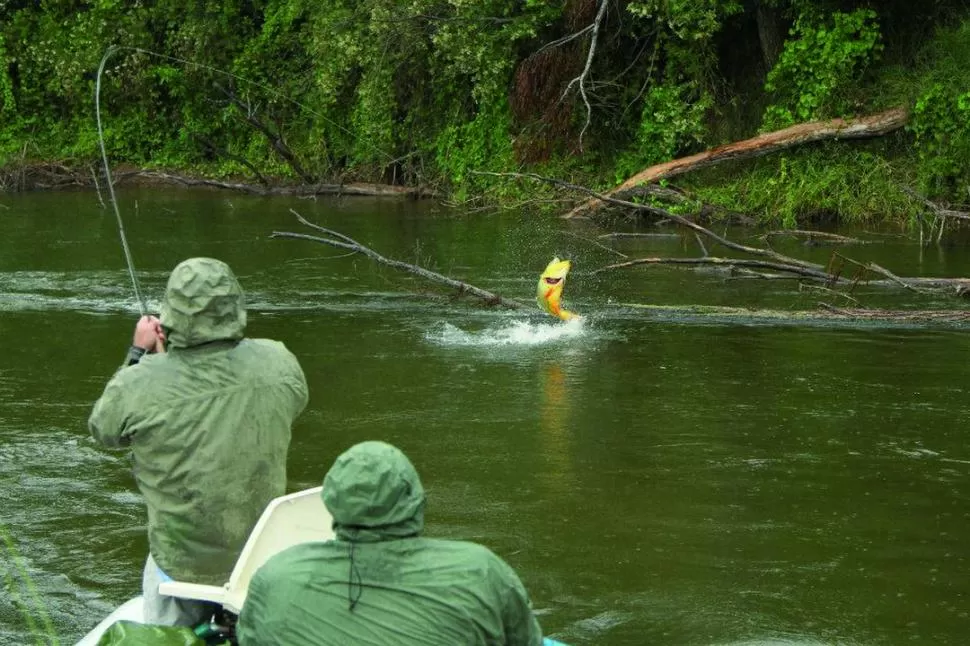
955 286
863 127
825 315
807 272
814 237
303 190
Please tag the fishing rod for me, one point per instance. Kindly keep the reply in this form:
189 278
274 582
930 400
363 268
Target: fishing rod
104 155
111 187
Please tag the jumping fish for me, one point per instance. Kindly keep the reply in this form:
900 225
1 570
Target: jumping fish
549 289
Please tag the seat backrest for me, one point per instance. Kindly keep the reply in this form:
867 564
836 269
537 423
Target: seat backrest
288 520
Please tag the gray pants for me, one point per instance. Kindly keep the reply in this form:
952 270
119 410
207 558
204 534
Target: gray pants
162 610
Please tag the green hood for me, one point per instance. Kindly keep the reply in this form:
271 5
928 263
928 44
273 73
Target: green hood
374 494
203 303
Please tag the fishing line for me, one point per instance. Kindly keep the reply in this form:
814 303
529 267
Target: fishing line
104 155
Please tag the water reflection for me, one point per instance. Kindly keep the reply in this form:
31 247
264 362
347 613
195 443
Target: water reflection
556 445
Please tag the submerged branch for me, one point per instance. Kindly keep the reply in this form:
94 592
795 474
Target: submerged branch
341 241
690 224
768 258
937 210
814 274
814 236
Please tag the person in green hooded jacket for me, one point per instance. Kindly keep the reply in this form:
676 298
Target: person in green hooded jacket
207 416
380 582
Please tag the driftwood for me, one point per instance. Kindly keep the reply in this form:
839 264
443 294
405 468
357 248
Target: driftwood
304 190
824 315
862 127
814 237
939 211
941 215
815 274
54 176
339 240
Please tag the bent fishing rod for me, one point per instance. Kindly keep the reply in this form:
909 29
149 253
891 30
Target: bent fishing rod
111 187
104 154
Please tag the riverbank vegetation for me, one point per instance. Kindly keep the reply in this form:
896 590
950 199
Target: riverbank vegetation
447 95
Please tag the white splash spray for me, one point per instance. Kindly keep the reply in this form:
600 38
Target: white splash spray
512 333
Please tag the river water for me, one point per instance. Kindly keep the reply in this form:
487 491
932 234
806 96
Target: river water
655 477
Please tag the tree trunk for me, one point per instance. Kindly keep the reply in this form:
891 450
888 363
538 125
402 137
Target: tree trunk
803 133
771 33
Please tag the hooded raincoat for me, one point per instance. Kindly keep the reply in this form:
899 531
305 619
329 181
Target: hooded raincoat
379 582
208 424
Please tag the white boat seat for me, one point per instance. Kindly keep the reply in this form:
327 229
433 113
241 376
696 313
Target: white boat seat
288 520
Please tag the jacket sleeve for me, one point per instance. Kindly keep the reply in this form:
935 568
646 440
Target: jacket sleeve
109 419
520 623
300 390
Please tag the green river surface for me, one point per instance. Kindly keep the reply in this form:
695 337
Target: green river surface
656 477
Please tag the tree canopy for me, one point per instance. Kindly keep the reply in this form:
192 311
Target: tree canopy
427 91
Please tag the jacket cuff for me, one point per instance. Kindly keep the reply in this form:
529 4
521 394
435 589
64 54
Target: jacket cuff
134 355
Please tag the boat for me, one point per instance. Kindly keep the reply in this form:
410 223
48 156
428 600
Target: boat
289 520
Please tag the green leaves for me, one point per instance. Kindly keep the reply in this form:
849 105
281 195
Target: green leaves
941 115
672 119
941 123
819 65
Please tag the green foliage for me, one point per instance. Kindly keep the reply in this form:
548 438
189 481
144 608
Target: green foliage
819 65
677 94
687 20
482 144
431 91
823 183
941 123
672 119
941 115
8 105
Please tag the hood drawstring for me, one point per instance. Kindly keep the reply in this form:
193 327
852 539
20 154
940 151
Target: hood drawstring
354 572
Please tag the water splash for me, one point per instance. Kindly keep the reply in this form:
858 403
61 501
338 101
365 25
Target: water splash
511 333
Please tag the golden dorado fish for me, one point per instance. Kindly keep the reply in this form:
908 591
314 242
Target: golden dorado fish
549 289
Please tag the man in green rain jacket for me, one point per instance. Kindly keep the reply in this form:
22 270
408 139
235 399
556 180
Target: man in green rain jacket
207 418
380 582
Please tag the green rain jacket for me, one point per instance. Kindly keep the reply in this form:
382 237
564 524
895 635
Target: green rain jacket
379 582
208 424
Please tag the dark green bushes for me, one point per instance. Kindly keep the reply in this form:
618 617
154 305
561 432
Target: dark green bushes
430 91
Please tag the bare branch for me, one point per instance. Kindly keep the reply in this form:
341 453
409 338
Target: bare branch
275 138
563 40
581 79
812 236
814 274
97 187
936 208
639 235
701 243
341 241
